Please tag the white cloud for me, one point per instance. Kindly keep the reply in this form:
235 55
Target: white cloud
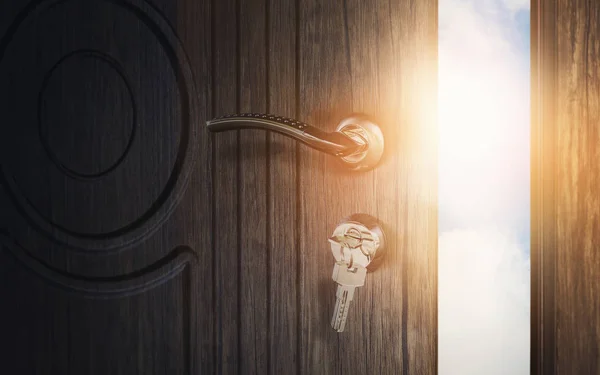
517 5
483 316
484 189
483 118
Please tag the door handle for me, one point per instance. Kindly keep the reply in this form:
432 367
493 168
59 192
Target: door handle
357 141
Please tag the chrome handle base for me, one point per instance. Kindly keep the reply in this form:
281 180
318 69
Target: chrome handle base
357 142
361 129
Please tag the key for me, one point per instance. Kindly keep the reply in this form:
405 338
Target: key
348 279
355 243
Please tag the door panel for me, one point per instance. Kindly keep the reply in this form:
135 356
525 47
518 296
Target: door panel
565 207
100 144
86 324
284 233
133 241
225 164
353 59
253 192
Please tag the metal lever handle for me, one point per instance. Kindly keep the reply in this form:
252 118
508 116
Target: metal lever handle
357 141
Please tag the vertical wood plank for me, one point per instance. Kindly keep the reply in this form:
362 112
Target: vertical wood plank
420 219
283 197
194 28
380 59
226 245
393 52
376 82
328 194
566 213
543 213
253 190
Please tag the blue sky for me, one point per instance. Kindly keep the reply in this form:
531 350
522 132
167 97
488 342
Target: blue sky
483 312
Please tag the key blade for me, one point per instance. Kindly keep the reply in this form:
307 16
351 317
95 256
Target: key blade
348 280
344 296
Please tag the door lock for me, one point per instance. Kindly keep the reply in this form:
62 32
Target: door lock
357 245
357 141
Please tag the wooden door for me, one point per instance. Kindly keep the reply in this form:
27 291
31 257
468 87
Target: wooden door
135 242
565 318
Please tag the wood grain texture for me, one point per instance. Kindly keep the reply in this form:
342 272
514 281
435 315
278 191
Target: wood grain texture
64 323
283 234
566 209
123 171
101 104
194 221
328 194
226 169
378 58
254 191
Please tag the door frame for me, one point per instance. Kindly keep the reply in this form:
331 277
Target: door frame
543 241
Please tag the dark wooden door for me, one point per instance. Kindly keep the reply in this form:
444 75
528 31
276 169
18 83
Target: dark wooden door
565 255
132 241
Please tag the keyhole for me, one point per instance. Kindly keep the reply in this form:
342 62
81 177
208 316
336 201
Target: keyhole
356 235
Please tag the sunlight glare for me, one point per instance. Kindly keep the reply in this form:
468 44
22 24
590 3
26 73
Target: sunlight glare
478 105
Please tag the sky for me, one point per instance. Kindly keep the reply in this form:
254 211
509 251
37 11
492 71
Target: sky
483 295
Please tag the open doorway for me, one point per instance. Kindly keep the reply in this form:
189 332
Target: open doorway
484 187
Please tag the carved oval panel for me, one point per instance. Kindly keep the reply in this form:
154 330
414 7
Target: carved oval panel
99 125
85 121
